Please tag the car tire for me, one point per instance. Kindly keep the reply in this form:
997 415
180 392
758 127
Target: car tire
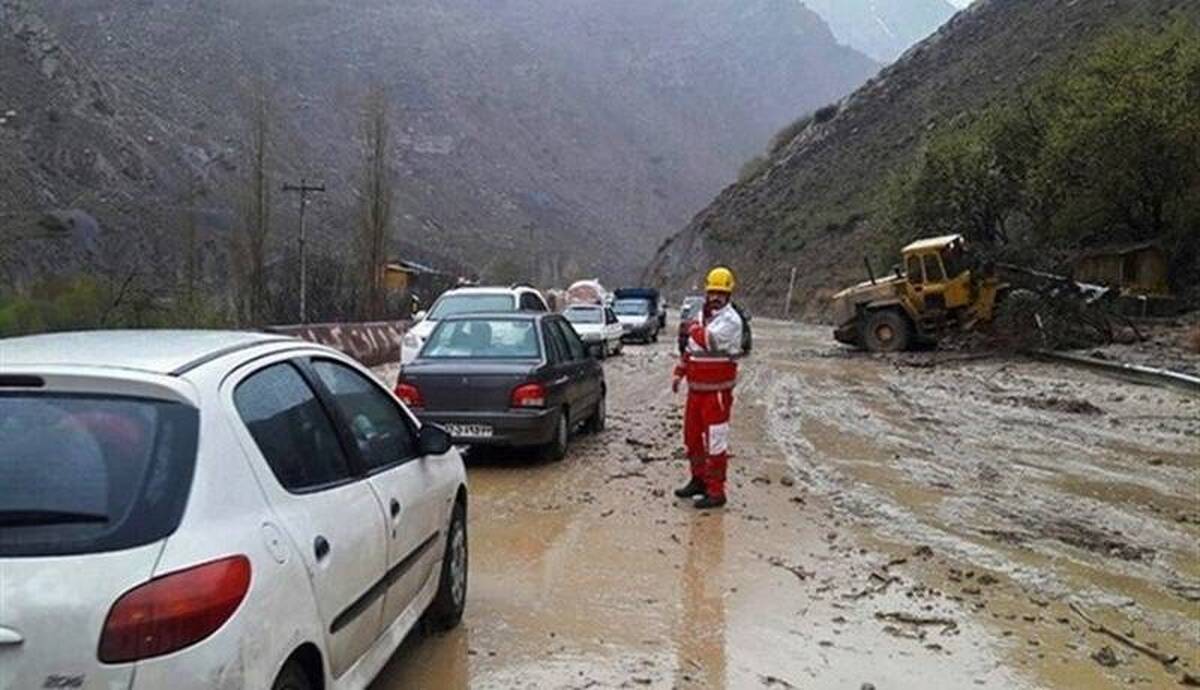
654 336
604 350
556 450
886 330
292 677
600 417
446 610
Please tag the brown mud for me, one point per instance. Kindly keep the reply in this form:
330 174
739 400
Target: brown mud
898 526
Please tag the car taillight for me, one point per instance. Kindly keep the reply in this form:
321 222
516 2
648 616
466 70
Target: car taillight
410 394
174 611
529 395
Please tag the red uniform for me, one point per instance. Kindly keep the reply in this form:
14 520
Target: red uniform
709 363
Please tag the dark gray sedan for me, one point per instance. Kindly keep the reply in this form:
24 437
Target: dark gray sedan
521 379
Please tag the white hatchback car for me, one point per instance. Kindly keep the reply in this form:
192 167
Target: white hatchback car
215 510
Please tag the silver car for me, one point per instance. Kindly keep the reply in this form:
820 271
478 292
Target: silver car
215 510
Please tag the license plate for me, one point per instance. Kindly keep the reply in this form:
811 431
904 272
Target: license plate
470 430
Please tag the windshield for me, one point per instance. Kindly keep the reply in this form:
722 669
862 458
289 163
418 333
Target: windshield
483 339
82 474
632 307
576 315
472 304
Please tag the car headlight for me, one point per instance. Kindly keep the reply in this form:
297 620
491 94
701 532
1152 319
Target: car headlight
412 341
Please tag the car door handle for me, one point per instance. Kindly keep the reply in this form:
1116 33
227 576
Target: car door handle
395 508
320 548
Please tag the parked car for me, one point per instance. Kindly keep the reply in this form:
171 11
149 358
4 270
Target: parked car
599 328
523 380
656 304
639 319
469 300
215 510
689 310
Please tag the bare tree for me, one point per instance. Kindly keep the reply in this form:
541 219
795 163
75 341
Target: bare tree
375 195
250 242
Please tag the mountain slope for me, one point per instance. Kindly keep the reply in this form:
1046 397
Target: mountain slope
882 29
813 205
592 128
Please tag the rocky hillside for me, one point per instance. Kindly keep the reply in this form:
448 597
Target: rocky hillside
587 129
882 29
814 203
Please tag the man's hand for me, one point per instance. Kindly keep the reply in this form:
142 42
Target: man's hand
675 381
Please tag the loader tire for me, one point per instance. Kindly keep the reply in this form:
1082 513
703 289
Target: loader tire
886 330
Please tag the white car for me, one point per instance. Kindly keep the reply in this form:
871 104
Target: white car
598 327
469 300
205 510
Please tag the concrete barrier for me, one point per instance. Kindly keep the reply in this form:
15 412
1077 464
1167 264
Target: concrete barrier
372 343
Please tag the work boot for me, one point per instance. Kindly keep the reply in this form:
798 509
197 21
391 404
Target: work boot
693 489
706 501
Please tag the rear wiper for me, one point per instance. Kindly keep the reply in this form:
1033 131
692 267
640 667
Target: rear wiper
26 518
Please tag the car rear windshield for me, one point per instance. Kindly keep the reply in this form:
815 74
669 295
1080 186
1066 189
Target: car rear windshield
451 305
483 339
632 307
84 474
584 315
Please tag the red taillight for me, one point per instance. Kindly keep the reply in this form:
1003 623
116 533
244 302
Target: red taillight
410 394
529 395
174 611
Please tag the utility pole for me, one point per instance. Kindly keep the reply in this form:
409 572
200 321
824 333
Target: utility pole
303 189
532 254
787 308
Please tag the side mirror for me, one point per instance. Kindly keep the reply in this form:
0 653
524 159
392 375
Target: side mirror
433 440
420 316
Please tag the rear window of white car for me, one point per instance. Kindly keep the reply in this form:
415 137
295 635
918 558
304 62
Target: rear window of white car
450 305
584 315
85 474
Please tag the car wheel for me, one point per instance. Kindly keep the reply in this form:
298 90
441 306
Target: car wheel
556 450
604 349
654 336
448 605
600 416
292 677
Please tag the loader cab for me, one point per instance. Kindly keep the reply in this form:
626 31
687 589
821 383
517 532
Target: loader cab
937 274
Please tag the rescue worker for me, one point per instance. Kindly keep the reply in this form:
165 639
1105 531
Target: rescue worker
709 364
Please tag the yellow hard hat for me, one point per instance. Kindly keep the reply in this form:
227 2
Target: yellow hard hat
720 279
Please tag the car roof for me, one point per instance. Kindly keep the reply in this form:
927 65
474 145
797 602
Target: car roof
486 291
500 316
156 351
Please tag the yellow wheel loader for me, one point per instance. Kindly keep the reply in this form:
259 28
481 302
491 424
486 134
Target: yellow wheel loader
940 288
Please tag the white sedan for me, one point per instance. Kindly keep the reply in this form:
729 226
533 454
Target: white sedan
215 510
598 327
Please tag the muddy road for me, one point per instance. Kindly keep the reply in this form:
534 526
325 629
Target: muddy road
896 523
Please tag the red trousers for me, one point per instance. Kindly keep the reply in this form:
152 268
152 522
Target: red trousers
706 437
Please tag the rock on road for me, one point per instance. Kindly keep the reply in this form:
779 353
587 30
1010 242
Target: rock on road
892 523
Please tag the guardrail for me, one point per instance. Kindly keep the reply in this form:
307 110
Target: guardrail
372 343
1130 372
